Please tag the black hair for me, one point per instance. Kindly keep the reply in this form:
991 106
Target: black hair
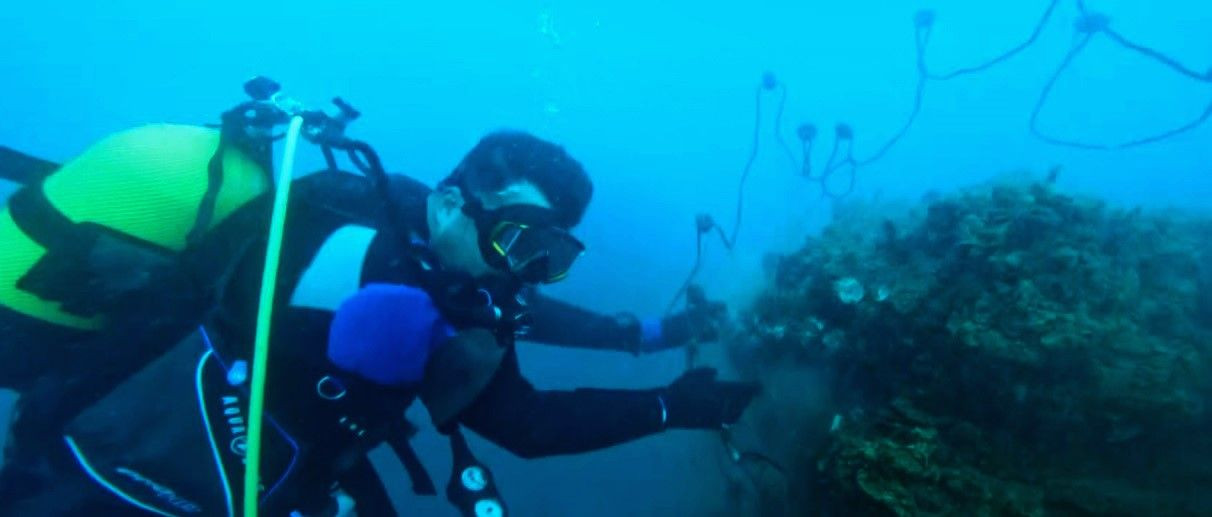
502 158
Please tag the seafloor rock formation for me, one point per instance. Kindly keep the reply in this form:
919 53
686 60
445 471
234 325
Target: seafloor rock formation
1008 350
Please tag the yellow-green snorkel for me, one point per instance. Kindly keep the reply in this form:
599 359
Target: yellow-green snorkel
265 309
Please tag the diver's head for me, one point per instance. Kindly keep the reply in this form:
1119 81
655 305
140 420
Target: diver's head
507 209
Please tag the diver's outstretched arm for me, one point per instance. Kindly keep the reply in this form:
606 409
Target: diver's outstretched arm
560 323
536 423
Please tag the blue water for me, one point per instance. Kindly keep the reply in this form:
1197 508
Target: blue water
657 100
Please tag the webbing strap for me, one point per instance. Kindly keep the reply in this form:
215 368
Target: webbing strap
38 219
363 484
214 181
22 168
422 484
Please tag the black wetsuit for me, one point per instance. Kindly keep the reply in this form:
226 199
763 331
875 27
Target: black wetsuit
509 412
555 422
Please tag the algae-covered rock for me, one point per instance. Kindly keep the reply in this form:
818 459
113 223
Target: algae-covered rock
1006 350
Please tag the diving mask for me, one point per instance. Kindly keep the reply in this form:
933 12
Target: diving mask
524 241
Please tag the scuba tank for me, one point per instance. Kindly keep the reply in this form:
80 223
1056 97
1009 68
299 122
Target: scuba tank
249 127
78 242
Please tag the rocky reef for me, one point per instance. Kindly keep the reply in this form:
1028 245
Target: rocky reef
1004 350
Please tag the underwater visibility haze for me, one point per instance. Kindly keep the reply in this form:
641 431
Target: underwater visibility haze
965 247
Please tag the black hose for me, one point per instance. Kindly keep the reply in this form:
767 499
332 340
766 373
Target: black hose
896 137
1047 90
694 271
806 153
778 127
1003 57
742 457
1155 55
753 151
1092 24
729 239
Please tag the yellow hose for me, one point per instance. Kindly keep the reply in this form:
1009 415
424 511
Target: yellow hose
265 310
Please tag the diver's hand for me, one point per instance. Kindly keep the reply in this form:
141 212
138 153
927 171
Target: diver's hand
699 323
696 400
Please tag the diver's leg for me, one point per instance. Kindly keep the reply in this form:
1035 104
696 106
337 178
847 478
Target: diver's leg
30 347
53 484
30 350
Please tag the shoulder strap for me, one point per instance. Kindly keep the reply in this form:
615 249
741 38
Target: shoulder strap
366 488
422 484
364 485
214 181
233 134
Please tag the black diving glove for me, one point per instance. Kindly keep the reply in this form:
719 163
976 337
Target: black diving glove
696 400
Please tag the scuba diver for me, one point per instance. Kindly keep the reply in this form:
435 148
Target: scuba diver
129 281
